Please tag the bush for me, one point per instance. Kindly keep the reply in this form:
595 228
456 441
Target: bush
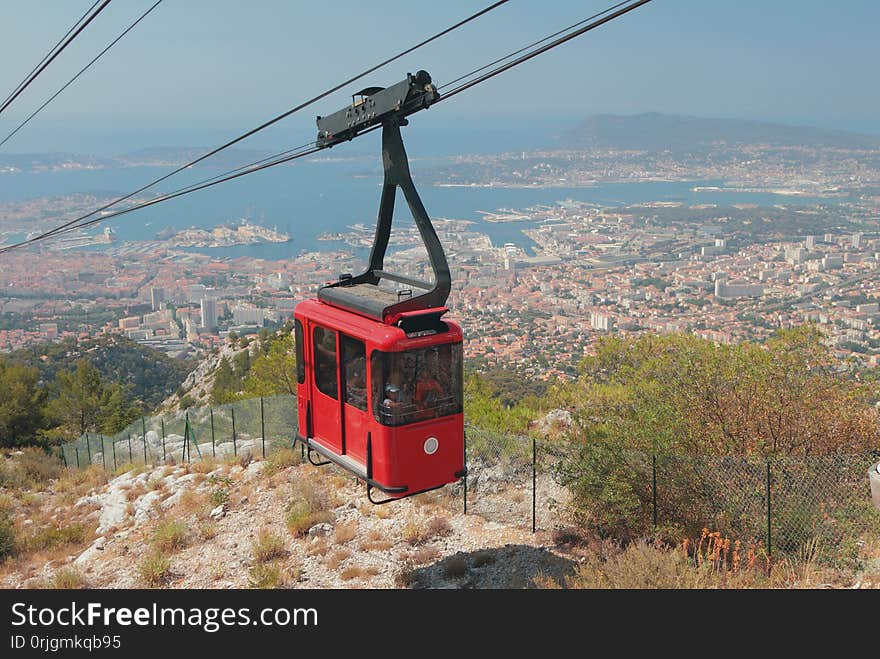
68 578
267 546
53 537
265 576
300 517
7 536
170 535
155 568
281 459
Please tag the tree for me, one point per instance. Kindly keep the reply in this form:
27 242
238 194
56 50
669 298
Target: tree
226 384
76 407
21 404
702 409
85 403
275 372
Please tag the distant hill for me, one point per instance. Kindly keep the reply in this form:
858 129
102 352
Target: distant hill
165 155
151 375
653 131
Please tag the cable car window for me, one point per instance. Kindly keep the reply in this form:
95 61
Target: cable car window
354 364
417 385
325 361
300 360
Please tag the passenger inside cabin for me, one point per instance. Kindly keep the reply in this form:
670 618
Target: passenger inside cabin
391 405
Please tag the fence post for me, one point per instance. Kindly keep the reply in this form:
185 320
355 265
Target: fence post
164 455
113 444
263 426
534 485
144 428
186 439
130 458
76 448
63 457
213 445
769 537
654 485
103 453
89 447
234 447
464 485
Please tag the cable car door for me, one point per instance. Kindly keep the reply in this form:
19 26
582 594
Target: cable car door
326 410
354 396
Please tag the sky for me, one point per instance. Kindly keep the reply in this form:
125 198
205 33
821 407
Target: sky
197 72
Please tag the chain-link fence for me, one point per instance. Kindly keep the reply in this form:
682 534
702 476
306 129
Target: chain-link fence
252 426
780 503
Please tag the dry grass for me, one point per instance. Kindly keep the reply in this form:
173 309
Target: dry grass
439 527
268 545
424 555
69 578
170 535
135 492
74 483
281 459
205 466
154 569
51 537
208 530
319 547
346 531
265 576
192 502
157 484
353 572
337 558
415 531
310 501
712 561
375 541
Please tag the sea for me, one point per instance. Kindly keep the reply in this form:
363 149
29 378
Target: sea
308 197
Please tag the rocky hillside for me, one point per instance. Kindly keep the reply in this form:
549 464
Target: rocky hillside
199 382
272 523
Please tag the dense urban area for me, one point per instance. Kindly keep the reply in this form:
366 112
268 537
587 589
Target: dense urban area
723 273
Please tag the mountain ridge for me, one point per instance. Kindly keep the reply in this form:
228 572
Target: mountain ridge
656 131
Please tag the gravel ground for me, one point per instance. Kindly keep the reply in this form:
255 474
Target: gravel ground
421 542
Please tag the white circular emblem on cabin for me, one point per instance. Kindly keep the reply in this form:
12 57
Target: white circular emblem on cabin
431 445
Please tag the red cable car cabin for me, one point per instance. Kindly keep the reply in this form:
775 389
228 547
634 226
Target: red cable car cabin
379 372
381 402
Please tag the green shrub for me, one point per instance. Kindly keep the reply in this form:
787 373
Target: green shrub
155 568
301 516
170 535
267 546
265 576
7 536
53 537
68 578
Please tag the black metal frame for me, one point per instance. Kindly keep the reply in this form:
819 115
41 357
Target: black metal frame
345 293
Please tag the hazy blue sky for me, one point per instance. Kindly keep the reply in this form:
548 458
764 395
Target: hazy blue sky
197 70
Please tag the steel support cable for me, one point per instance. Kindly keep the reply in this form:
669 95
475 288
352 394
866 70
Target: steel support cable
53 49
260 127
275 159
83 70
543 49
531 45
248 169
181 192
207 183
66 43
